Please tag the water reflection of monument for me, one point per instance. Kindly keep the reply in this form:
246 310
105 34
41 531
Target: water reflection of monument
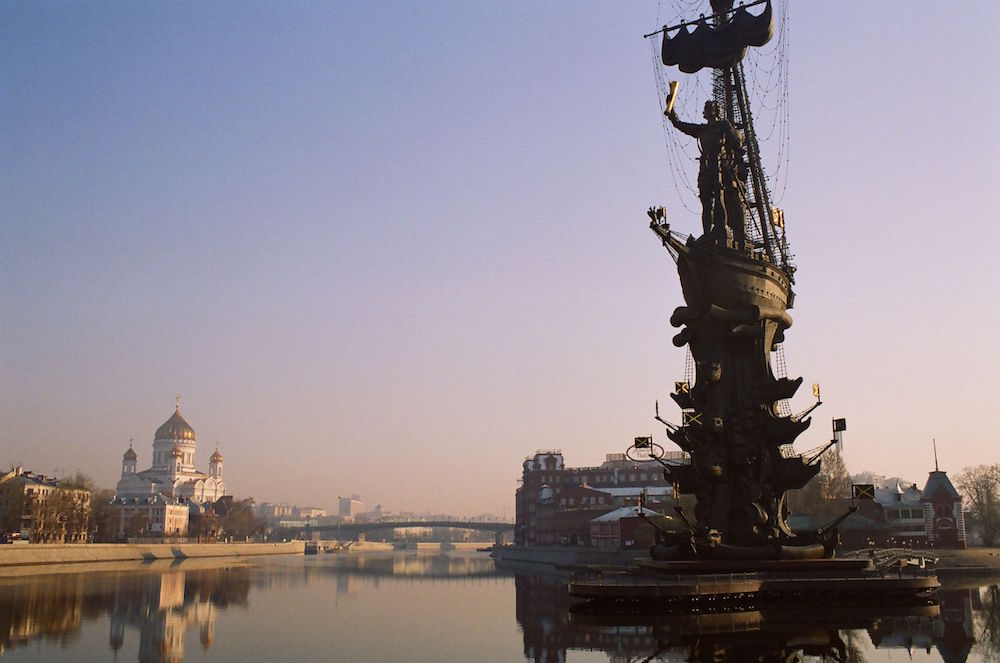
952 634
949 631
164 607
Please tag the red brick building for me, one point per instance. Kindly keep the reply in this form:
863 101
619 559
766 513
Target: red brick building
622 529
904 515
945 520
555 504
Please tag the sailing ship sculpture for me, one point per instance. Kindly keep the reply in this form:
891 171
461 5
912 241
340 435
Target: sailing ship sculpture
736 279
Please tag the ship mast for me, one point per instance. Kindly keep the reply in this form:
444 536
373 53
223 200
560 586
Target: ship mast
730 92
764 229
761 202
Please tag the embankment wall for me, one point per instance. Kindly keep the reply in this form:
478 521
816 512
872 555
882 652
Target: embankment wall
58 553
565 556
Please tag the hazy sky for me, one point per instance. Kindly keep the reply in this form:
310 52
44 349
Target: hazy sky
393 248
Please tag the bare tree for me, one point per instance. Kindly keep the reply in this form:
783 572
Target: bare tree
79 480
829 493
988 622
980 485
203 525
103 518
62 515
239 521
11 518
136 523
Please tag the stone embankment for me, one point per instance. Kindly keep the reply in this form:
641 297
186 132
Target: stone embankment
974 562
56 553
566 556
982 561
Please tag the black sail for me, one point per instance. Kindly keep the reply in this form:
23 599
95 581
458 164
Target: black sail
718 46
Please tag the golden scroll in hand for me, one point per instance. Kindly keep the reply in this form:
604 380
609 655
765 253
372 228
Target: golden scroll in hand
671 97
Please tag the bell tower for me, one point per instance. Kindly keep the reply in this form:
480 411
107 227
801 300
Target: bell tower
129 459
215 465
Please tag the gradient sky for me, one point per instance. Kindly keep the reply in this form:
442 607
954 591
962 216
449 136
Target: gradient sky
393 248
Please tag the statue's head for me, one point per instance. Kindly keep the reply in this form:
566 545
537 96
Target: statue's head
720 6
712 110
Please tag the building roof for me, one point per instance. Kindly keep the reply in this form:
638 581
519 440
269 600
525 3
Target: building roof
938 481
896 494
635 491
26 477
129 454
625 512
175 428
156 498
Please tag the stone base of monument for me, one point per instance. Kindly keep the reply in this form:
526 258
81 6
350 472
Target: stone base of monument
710 583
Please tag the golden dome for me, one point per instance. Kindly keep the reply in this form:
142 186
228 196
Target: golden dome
129 454
175 428
216 457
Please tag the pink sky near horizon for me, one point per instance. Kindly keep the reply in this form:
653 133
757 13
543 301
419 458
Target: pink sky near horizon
393 250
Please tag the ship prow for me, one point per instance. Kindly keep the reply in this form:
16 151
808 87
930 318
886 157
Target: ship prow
715 274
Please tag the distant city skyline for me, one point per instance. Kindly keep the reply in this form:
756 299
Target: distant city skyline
392 250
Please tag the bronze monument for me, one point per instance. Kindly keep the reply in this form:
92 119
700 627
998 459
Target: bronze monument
736 277
737 284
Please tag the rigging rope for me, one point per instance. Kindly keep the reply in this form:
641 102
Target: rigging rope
767 77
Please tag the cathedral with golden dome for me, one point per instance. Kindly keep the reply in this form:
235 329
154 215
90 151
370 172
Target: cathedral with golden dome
173 472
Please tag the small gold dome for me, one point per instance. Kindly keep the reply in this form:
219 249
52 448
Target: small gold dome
175 428
129 454
216 457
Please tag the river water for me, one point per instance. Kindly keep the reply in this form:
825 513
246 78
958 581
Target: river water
424 606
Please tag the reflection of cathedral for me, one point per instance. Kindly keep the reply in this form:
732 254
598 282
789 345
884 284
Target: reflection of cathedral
162 605
162 615
173 472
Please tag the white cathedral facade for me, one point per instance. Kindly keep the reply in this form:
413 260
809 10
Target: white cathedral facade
173 472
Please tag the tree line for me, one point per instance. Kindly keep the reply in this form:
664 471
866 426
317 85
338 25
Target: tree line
62 511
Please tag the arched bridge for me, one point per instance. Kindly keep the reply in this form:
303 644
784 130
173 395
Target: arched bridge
357 530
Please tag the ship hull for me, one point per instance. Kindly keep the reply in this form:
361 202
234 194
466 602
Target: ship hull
731 280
